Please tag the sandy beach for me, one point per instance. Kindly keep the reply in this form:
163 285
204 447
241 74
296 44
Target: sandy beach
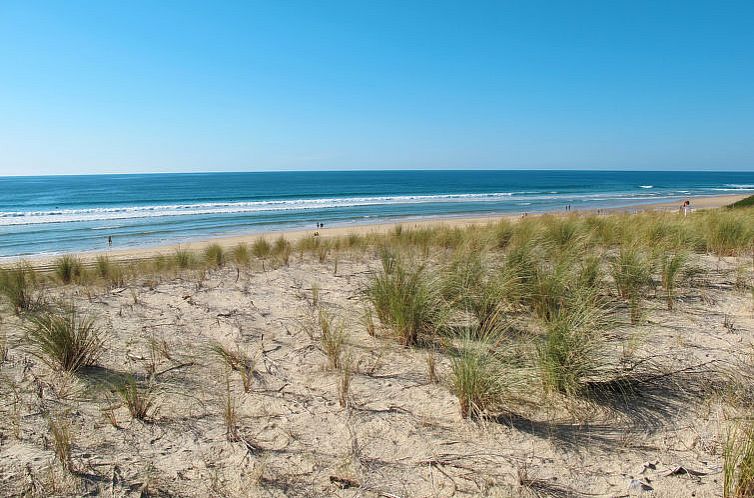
699 203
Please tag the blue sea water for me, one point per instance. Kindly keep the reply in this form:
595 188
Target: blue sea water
55 214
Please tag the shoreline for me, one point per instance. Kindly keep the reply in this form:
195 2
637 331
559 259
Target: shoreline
293 235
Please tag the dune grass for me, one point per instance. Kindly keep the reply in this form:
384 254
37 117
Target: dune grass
141 398
744 203
214 255
632 273
261 248
241 254
572 351
407 300
738 462
64 339
17 286
236 361
67 268
478 380
183 258
672 266
332 339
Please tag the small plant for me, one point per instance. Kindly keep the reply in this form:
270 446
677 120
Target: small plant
230 416
214 255
103 267
17 284
729 322
238 362
241 254
183 258
67 268
432 367
408 301
282 250
332 339
477 379
261 248
672 267
64 339
62 441
139 398
368 321
632 272
738 463
344 386
572 352
315 294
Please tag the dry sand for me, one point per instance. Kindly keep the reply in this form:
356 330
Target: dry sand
377 228
402 435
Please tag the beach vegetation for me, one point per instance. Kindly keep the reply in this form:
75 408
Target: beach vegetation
183 258
230 414
261 248
738 462
67 268
282 250
237 361
408 300
572 351
728 233
214 255
64 339
478 378
632 273
672 266
61 440
241 254
141 398
332 339
744 203
344 384
17 285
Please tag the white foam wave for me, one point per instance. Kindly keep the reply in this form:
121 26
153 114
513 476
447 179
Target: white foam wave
646 186
116 213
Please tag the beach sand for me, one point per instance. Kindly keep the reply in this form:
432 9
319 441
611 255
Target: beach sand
400 434
361 229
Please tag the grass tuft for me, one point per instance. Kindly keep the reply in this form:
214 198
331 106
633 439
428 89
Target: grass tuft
140 398
64 339
738 463
214 255
17 285
332 340
67 268
241 254
672 266
408 301
238 362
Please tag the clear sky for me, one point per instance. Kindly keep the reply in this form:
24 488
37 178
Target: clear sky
131 86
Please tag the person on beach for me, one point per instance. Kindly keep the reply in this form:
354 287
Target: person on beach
109 241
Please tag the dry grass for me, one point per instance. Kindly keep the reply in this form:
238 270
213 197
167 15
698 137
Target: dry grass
141 398
332 339
237 361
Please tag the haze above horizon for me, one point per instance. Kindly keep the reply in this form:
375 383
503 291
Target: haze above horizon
135 87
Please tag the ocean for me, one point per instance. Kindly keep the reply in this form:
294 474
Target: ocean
58 214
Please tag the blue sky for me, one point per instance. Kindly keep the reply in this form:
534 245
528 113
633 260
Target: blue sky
108 86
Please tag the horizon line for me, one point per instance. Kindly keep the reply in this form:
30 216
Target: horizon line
206 172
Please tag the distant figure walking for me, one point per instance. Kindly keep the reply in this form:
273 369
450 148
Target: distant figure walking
110 241
685 208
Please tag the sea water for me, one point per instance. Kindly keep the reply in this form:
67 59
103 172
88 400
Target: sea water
57 214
